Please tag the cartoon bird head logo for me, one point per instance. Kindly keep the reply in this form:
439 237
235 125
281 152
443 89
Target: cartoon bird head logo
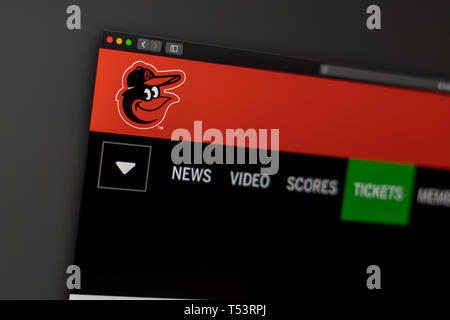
145 96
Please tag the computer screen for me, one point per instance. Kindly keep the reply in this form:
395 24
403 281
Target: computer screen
217 173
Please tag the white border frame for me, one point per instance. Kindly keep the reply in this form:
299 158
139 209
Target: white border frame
126 144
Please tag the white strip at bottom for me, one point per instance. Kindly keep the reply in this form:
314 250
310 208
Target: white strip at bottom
100 297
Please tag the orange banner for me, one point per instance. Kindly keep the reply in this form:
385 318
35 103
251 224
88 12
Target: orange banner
150 96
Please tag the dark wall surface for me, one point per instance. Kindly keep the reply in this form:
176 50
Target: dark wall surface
47 81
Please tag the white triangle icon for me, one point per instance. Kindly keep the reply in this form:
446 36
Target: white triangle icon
125 167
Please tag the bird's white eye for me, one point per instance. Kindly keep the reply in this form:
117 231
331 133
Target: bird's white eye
155 92
148 94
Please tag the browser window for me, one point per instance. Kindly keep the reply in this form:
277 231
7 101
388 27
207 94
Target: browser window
225 174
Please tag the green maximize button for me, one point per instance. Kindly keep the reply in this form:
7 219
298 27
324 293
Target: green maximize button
378 192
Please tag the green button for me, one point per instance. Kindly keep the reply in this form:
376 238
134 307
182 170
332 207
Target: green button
378 192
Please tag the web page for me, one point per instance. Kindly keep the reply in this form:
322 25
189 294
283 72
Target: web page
224 174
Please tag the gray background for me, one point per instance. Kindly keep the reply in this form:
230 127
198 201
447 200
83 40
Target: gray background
47 78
